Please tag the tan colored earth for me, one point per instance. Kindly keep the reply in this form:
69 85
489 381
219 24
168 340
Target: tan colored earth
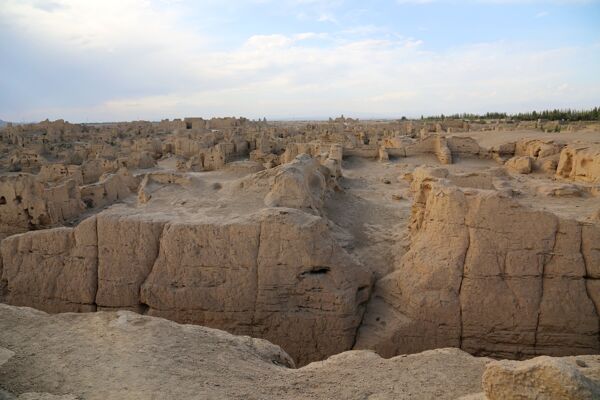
123 355
374 255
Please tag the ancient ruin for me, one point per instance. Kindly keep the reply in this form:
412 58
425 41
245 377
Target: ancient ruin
467 251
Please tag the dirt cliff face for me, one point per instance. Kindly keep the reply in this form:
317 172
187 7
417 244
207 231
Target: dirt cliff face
54 270
490 276
274 273
277 275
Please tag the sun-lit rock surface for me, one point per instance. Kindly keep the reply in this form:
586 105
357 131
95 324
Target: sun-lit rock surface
322 237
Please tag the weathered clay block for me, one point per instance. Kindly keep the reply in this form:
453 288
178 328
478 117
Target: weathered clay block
277 274
543 378
54 270
127 249
488 275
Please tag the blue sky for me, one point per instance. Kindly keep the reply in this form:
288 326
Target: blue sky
106 60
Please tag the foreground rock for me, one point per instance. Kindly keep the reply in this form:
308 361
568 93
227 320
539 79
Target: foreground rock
544 378
123 355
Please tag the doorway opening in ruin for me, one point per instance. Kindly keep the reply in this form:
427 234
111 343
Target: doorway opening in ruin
2 200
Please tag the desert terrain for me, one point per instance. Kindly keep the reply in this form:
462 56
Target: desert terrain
352 259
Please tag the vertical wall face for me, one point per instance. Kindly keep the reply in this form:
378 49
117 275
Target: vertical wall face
206 274
54 270
307 287
502 286
276 274
531 267
22 204
490 276
572 319
127 249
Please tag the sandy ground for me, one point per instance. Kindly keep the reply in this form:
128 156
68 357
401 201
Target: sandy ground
128 356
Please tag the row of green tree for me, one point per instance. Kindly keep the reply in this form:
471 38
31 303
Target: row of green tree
555 115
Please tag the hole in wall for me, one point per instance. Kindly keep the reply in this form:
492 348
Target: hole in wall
317 271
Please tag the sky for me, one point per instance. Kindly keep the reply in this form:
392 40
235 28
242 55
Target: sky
116 60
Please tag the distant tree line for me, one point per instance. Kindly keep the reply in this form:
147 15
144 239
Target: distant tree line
556 115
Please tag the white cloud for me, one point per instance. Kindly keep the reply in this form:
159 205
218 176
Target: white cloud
138 43
328 18
106 24
415 1
500 1
369 77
